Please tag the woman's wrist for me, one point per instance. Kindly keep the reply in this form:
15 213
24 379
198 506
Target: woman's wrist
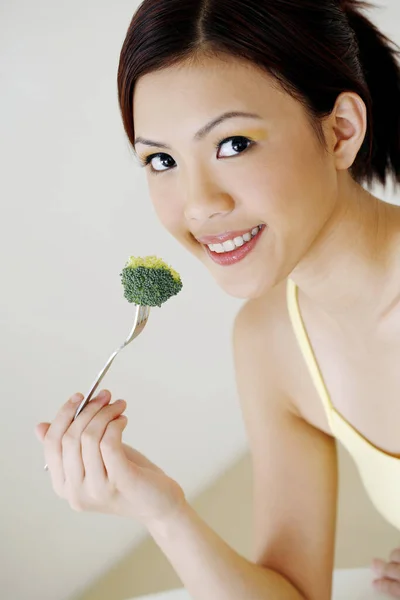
164 526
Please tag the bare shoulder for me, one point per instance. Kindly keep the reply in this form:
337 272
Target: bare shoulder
267 315
263 337
265 309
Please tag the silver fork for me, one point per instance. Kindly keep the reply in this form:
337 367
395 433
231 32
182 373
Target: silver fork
141 318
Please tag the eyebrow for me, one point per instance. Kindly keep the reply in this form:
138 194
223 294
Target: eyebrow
203 131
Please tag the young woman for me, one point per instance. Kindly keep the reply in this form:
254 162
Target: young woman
258 121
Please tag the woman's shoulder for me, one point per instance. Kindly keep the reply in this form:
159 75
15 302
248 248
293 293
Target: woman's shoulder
264 338
266 314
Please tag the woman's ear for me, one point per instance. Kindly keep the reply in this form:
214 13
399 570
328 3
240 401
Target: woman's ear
347 127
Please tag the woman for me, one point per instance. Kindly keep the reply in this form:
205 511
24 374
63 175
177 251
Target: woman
269 116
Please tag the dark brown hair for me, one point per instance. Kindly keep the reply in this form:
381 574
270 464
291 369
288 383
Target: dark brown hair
315 49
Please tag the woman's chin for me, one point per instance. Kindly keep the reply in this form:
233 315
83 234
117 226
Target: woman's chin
242 289
242 281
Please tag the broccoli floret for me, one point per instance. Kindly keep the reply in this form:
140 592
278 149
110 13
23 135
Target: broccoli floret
149 281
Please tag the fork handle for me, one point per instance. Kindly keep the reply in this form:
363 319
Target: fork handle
94 387
96 382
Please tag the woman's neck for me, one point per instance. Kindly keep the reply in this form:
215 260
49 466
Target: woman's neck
352 271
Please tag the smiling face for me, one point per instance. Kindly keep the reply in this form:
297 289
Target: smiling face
219 186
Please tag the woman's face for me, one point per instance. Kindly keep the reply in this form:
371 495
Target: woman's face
261 198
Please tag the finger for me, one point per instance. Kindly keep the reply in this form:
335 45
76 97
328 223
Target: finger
95 471
378 566
391 571
74 469
111 448
41 430
52 441
395 555
388 586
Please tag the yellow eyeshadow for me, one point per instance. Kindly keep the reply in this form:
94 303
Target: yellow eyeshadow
256 134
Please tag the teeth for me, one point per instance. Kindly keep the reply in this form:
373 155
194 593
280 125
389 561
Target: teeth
229 245
238 241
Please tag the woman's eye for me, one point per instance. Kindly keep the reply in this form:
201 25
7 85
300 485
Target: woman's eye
160 158
238 143
235 142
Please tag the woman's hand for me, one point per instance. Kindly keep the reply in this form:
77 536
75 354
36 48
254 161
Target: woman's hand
388 574
93 470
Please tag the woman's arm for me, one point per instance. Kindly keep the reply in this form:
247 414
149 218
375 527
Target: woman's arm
209 569
295 485
294 464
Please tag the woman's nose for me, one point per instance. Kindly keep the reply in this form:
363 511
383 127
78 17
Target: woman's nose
205 204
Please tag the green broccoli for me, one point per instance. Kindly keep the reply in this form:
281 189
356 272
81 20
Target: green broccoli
149 281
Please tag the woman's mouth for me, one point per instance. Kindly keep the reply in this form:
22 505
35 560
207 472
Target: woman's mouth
235 249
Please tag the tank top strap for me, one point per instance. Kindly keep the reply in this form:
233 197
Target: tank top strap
306 348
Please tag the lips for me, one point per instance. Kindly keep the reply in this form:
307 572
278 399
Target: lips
223 237
233 257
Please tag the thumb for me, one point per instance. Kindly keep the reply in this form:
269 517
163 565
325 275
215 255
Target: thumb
41 430
111 446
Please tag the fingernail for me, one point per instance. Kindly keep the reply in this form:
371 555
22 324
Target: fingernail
102 395
76 398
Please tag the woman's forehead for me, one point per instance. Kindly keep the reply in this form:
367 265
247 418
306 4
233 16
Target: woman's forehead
196 94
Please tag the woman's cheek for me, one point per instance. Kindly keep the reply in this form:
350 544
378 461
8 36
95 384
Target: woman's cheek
170 217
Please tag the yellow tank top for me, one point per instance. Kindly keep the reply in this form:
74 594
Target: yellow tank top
379 471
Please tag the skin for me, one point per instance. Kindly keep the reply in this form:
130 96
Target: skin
333 238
